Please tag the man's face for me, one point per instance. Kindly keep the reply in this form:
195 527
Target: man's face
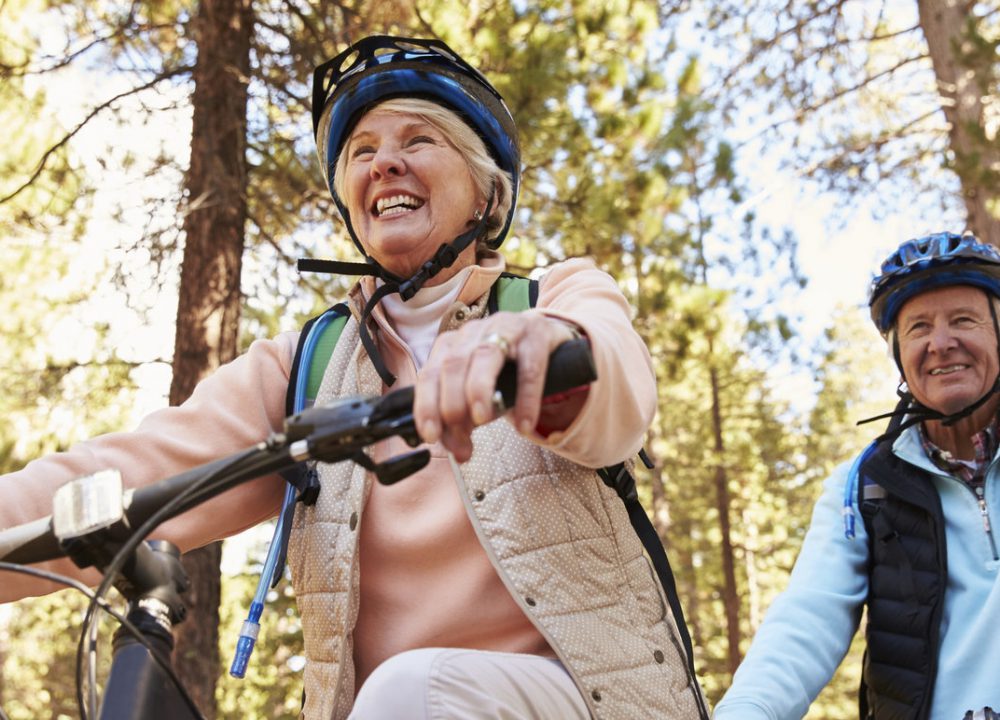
947 347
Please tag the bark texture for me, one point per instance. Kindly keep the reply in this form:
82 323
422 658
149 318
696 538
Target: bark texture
730 595
964 68
209 305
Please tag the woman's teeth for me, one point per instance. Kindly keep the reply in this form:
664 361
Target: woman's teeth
396 204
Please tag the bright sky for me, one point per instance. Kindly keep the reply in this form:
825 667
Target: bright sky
134 338
839 245
837 255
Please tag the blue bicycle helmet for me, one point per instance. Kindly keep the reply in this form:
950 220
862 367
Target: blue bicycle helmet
381 67
929 262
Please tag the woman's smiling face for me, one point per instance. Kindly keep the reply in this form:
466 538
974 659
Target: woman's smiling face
948 347
407 189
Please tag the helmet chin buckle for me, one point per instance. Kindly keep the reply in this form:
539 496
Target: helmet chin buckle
443 258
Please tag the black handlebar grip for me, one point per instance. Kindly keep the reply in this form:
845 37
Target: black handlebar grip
570 365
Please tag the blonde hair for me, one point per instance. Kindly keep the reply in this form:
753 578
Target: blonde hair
486 174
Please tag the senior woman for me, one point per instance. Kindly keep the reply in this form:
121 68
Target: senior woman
503 579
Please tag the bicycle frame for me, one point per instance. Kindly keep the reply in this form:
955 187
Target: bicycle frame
138 686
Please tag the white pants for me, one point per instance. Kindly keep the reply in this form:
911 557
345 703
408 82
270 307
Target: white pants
447 683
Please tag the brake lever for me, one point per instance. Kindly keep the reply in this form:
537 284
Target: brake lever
343 429
397 468
336 423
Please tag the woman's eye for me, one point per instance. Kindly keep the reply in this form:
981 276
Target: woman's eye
418 139
362 150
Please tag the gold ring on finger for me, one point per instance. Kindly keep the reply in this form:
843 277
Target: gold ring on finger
499 341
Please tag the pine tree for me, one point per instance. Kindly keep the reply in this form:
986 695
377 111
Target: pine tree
869 97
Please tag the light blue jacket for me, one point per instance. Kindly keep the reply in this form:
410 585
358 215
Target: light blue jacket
809 627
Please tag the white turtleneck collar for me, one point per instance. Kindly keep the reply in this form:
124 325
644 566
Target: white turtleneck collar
418 319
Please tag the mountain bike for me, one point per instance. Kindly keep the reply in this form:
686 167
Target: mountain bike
97 523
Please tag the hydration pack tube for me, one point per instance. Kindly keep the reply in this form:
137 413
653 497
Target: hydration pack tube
318 337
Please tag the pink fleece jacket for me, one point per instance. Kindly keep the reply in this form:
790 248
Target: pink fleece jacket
416 526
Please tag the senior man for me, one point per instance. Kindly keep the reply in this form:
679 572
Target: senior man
924 560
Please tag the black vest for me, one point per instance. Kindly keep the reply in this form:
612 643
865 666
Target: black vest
907 577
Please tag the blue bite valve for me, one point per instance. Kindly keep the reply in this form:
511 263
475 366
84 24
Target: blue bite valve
848 523
246 642
270 573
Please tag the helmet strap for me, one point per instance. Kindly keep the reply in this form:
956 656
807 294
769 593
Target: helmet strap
444 257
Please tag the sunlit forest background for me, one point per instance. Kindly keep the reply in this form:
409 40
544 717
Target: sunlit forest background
158 181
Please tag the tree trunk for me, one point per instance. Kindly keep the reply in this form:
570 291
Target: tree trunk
660 506
754 611
730 597
964 76
209 304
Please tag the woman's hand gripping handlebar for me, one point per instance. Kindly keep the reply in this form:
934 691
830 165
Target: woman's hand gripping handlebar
96 511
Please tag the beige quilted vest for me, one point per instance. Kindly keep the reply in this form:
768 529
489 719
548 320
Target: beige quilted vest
559 539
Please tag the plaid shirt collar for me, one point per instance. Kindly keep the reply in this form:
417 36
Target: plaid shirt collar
971 472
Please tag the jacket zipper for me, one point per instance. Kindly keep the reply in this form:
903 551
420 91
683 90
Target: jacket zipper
984 513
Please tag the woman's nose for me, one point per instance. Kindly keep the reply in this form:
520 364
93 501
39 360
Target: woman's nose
387 161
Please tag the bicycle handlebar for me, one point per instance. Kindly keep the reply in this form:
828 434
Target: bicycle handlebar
331 433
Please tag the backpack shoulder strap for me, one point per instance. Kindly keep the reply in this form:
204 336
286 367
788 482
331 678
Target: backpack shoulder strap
512 293
618 478
313 351
854 489
317 340
870 498
870 491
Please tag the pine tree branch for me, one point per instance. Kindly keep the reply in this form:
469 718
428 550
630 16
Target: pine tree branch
90 116
23 70
773 41
837 95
